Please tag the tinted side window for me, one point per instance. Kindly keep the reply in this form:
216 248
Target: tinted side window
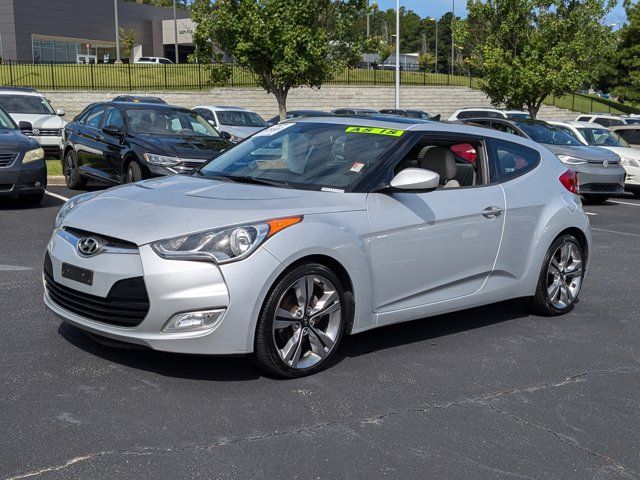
114 118
615 123
510 160
605 122
583 119
93 119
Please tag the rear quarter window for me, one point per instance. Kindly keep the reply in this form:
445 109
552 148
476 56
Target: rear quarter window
511 160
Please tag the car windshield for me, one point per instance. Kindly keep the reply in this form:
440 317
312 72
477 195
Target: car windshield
237 118
308 155
26 104
518 115
544 133
633 121
5 121
168 122
602 137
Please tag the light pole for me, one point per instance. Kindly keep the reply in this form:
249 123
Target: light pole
453 17
175 31
435 66
115 10
397 54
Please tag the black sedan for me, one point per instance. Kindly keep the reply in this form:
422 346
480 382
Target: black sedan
121 142
23 172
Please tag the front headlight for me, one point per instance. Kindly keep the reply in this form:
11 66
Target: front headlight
71 204
33 155
161 160
569 160
222 245
629 162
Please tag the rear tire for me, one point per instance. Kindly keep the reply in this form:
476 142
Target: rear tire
595 199
560 278
301 323
70 170
31 199
134 173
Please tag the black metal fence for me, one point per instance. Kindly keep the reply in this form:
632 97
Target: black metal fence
138 76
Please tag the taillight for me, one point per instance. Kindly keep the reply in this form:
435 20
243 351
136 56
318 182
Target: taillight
570 181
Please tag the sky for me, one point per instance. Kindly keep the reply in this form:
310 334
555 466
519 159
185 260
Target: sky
436 8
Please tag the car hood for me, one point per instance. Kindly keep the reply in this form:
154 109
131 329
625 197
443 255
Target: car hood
39 120
240 132
166 207
182 146
626 152
14 141
591 154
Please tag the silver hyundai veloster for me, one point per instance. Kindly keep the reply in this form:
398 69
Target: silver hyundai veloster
317 228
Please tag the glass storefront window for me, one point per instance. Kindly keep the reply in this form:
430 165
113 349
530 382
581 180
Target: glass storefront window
67 51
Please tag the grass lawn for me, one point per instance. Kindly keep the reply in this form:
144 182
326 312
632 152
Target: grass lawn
54 167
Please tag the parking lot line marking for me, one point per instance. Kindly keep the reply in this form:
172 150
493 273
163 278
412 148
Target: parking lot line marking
591 213
55 195
615 231
13 268
625 203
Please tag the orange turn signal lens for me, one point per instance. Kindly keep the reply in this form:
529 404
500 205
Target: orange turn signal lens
281 223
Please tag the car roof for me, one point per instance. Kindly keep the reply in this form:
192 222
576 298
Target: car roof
223 107
141 105
32 92
576 123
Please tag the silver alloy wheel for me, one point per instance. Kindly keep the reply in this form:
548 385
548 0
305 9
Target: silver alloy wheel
564 275
307 321
69 168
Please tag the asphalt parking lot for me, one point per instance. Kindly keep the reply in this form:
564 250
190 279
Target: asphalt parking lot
487 393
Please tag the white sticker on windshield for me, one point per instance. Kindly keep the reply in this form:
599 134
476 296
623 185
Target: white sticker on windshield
273 129
329 189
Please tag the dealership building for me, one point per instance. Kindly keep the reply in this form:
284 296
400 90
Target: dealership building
72 31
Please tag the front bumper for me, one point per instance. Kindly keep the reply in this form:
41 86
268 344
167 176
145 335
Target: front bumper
52 145
595 179
632 181
20 179
172 287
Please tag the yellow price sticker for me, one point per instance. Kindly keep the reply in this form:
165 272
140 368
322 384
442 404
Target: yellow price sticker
391 132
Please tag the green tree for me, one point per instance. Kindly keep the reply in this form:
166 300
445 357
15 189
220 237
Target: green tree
285 43
426 61
535 48
127 41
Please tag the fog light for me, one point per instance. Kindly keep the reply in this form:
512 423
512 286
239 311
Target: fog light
194 321
37 184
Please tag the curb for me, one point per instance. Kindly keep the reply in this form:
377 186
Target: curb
56 180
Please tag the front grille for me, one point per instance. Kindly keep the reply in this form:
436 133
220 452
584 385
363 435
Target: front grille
50 132
6 159
601 188
126 305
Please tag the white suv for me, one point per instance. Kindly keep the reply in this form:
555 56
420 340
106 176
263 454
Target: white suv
487 112
26 105
234 123
609 120
154 60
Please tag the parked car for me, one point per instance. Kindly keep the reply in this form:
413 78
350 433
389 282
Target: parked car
121 142
608 120
487 112
279 252
630 133
598 136
298 114
30 106
354 111
138 99
411 114
154 60
600 174
23 172
234 123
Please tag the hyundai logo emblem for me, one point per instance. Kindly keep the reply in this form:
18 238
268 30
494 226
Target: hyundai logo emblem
88 246
605 164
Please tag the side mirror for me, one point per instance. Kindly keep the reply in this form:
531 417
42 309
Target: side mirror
415 179
112 130
225 135
60 112
25 126
212 122
436 118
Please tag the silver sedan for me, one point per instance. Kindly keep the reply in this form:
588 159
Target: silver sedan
317 228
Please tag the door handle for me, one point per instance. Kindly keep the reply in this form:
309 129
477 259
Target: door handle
492 212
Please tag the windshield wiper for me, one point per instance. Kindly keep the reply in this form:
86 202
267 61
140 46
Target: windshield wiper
260 181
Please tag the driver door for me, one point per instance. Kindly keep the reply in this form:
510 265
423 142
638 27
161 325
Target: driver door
434 246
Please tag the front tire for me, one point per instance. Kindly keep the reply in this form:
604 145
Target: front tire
301 322
134 173
70 170
560 278
595 199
